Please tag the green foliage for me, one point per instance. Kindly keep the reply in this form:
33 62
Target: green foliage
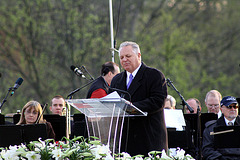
194 43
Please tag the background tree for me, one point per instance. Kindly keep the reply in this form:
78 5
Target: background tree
195 44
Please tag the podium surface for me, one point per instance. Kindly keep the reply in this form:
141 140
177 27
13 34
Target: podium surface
105 107
105 118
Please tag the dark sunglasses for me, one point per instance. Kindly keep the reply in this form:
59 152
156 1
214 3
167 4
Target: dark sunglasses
230 107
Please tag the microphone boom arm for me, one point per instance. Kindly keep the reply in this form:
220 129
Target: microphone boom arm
78 89
169 82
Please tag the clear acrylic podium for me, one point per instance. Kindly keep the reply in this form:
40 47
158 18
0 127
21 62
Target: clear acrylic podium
105 118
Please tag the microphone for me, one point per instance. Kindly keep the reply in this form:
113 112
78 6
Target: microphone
16 85
77 71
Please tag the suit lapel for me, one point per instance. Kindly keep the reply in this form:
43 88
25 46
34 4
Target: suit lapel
237 121
121 83
221 121
136 81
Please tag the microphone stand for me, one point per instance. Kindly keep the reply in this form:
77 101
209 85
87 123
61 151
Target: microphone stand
198 145
87 72
78 89
199 136
170 84
70 95
5 99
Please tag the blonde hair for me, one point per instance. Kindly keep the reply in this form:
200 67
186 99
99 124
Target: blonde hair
36 106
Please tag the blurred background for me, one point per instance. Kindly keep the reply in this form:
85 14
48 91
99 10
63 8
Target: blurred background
195 43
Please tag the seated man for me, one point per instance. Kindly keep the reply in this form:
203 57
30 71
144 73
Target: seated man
229 108
58 105
100 86
212 101
194 103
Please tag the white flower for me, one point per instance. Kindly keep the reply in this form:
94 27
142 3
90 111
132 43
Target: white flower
13 148
138 158
104 150
189 157
180 154
109 157
94 151
10 155
3 152
126 156
172 152
99 150
33 156
39 146
164 155
57 153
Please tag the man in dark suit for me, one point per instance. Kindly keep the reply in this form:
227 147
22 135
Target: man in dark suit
229 108
148 91
100 86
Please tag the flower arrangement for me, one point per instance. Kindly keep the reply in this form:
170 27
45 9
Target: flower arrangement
77 148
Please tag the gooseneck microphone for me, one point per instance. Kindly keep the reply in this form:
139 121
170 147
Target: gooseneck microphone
12 90
16 85
77 71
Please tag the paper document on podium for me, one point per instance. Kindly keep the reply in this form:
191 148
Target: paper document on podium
174 119
114 96
111 105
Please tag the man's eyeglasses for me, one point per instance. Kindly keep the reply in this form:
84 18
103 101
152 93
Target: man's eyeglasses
230 107
213 105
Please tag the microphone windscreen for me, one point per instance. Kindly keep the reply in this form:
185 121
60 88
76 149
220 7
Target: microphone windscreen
19 81
72 67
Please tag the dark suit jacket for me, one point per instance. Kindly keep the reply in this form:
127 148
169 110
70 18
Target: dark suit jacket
148 91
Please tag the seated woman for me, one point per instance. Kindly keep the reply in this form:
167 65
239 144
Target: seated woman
30 113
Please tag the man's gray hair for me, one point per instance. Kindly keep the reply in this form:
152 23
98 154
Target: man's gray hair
134 45
213 93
